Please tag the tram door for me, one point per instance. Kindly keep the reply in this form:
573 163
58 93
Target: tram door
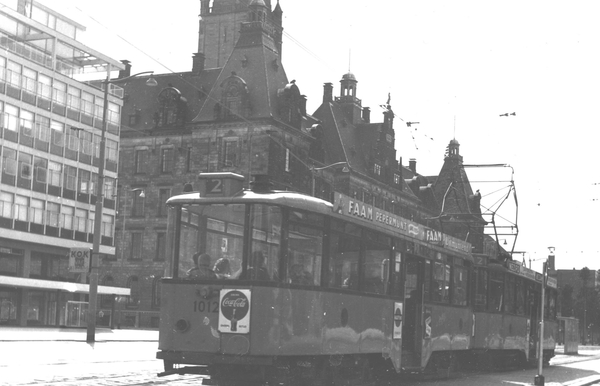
413 309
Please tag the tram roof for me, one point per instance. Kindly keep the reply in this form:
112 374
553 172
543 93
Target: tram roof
285 198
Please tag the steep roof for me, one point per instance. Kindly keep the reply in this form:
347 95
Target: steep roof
256 61
348 142
453 188
193 88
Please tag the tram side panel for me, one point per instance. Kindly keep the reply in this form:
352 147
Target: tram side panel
282 321
445 328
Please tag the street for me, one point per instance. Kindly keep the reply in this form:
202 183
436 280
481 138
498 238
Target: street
117 363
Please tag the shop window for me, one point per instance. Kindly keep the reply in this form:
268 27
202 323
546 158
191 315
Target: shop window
107 301
133 284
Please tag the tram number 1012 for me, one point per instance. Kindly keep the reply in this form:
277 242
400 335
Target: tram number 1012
206 306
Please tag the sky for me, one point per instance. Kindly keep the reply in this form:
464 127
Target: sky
452 66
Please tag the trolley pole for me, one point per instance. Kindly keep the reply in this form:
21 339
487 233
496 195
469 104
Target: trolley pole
539 378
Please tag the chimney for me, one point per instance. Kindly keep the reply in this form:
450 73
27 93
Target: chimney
303 105
198 63
328 92
127 71
366 114
412 165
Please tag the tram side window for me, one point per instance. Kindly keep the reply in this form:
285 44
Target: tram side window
397 282
481 286
459 292
305 246
520 290
344 251
375 269
263 263
441 283
509 298
496 293
427 281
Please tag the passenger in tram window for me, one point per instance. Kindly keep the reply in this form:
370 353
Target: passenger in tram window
299 276
222 268
201 268
373 282
257 269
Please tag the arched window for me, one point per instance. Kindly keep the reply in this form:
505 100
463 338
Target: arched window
133 284
234 98
291 104
172 108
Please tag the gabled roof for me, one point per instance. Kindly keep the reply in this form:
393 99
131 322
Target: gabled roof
193 87
255 60
348 142
453 188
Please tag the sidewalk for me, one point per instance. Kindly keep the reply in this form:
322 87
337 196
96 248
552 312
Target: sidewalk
33 334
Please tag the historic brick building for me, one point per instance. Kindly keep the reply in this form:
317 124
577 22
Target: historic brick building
238 111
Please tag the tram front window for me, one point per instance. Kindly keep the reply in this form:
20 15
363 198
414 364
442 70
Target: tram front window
211 241
212 246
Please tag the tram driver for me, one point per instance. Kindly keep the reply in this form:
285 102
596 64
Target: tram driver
201 269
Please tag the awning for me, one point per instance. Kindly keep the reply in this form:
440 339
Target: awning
25 282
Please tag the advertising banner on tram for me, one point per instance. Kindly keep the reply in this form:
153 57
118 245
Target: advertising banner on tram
351 207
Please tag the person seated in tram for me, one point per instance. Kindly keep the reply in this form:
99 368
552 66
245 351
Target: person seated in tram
222 268
257 269
299 276
201 269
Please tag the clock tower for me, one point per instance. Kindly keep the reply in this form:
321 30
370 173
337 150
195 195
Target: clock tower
220 25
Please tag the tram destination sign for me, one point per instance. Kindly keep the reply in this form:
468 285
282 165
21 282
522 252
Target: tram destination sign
351 207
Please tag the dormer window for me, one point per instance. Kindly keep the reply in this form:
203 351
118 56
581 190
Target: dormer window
172 108
377 169
234 98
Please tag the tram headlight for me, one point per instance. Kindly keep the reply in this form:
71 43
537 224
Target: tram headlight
182 325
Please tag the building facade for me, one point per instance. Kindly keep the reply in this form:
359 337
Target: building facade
50 134
237 111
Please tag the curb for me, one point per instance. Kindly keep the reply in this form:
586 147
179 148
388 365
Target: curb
583 381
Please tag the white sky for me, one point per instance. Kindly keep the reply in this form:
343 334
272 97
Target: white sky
453 66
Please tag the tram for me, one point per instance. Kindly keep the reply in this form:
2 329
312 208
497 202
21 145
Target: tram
279 288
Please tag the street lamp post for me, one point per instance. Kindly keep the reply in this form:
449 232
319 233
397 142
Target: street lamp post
539 378
345 169
91 319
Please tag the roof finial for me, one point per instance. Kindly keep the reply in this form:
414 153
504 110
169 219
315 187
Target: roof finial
349 58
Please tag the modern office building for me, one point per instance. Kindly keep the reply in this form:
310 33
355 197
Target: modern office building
50 134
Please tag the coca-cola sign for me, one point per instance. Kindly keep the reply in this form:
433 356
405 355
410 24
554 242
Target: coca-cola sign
234 305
